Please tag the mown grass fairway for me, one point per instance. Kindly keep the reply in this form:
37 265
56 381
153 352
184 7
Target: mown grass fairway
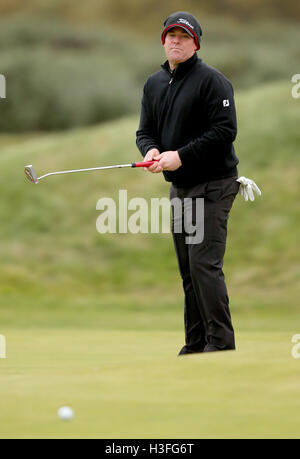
130 384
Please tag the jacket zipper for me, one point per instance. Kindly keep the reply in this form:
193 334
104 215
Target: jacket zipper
167 95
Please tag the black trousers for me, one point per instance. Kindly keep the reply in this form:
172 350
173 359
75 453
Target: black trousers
207 319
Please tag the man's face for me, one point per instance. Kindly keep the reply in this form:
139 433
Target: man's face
179 46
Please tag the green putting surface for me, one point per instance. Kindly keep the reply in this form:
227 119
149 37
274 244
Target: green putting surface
130 384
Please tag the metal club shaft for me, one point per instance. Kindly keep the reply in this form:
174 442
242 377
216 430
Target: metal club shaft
84 170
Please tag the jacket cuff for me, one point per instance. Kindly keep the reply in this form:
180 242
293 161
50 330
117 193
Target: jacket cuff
186 155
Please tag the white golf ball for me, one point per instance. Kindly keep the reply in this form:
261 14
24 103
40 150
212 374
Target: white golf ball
65 413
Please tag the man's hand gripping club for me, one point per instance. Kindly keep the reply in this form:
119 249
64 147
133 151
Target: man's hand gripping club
166 161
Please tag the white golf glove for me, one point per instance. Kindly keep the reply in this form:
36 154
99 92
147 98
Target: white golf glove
247 187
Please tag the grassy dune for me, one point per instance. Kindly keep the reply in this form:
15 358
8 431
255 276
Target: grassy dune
54 260
95 321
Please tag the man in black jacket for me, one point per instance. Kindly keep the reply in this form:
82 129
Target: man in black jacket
188 123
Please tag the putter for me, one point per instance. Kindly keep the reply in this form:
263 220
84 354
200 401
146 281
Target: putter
32 177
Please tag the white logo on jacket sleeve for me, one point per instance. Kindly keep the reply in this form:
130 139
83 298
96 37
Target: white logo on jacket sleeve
225 103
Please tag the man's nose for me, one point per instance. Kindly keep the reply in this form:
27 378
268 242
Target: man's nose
176 38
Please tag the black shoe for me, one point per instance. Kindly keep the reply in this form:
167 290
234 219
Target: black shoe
185 350
211 348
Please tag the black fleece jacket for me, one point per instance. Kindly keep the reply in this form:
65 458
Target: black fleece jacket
191 110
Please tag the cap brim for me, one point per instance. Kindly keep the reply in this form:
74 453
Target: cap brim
181 27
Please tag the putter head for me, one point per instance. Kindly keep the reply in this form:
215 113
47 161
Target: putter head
30 174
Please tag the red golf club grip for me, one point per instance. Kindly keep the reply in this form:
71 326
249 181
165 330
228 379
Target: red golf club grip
145 163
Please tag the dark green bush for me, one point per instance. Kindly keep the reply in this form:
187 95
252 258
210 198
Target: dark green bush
59 75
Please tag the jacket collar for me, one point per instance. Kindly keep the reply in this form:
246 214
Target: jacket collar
183 67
